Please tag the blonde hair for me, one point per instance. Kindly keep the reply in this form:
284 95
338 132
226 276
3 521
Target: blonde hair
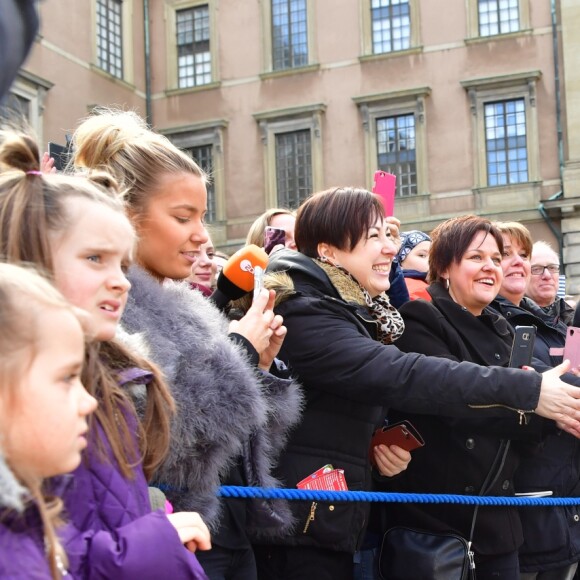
121 143
24 295
517 232
32 207
258 228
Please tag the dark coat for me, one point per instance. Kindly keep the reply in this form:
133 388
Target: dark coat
551 534
348 378
22 553
550 330
459 453
226 409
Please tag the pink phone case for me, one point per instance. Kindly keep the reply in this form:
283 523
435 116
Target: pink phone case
273 237
572 347
571 350
384 187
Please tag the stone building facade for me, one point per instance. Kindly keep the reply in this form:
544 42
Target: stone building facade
474 104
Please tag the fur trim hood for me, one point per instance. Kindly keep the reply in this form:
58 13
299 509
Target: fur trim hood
327 276
12 493
324 277
223 408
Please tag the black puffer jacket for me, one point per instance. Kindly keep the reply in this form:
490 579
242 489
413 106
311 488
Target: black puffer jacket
551 534
349 378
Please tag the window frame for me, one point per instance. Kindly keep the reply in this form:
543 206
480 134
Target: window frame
268 56
128 72
394 104
473 22
367 32
210 133
271 123
503 88
172 72
33 89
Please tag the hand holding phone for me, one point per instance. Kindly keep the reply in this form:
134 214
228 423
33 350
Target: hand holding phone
385 187
523 346
273 237
402 434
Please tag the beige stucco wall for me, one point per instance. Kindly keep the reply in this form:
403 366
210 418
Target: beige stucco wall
64 55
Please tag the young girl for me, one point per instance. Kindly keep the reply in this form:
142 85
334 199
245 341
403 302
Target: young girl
232 420
43 418
78 233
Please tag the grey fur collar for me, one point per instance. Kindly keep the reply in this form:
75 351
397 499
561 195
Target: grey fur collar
221 402
12 493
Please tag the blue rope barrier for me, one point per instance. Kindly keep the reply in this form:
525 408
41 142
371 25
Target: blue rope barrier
372 496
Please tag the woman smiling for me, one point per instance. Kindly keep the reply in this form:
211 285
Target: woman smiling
341 327
461 455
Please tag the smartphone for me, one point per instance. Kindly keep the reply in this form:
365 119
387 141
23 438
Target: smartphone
273 237
572 347
403 434
523 346
61 155
385 187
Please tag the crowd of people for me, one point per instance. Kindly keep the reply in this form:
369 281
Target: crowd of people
127 397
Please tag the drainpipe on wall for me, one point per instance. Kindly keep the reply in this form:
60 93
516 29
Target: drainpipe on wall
557 233
147 39
557 90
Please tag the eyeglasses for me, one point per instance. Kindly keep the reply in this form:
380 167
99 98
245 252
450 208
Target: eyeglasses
539 270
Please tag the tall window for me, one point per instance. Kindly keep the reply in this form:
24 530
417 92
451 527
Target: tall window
498 16
396 151
293 167
391 25
110 37
505 141
14 109
193 47
289 34
203 156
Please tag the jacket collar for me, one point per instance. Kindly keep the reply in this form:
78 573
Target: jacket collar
475 329
304 272
12 493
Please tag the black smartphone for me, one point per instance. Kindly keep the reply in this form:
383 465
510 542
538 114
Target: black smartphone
523 346
61 155
273 237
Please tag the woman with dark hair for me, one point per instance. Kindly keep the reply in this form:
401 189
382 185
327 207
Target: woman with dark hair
464 456
340 329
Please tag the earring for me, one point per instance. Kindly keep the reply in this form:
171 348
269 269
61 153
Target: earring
446 283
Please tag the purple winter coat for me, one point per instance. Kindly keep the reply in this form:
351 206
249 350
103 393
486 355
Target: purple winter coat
112 532
22 546
21 534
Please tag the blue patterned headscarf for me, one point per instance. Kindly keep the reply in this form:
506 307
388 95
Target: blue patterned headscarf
409 240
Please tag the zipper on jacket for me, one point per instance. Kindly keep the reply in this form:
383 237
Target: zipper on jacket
470 556
310 517
524 415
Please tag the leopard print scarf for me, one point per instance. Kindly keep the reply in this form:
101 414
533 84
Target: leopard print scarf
390 323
